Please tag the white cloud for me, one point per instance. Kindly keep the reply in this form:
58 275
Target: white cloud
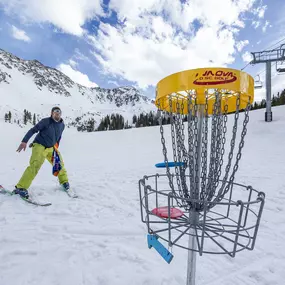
240 45
256 24
67 15
260 11
76 75
80 56
113 82
20 34
73 63
160 37
153 38
247 57
264 28
183 14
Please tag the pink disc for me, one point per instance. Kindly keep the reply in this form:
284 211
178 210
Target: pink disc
163 212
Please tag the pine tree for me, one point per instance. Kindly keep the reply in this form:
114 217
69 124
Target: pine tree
90 125
101 126
151 119
141 120
34 119
25 117
117 122
146 120
156 119
112 122
9 117
6 118
106 123
255 106
282 97
263 103
29 116
122 122
274 101
127 125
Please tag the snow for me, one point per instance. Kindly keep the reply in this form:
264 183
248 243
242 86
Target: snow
21 92
99 238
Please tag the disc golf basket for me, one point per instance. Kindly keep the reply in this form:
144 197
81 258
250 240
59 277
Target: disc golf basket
198 206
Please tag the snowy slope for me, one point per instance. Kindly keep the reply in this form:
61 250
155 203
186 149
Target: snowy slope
99 239
30 85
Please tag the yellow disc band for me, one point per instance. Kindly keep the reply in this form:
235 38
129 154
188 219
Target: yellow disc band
229 83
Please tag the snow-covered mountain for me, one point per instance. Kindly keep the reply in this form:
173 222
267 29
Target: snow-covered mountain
30 85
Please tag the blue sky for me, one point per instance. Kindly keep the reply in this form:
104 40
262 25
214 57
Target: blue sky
125 42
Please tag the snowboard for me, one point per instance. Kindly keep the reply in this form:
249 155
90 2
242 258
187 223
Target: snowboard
30 200
69 192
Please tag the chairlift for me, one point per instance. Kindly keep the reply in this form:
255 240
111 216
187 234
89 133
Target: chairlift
282 51
258 83
280 68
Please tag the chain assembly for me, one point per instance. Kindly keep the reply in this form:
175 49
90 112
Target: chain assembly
199 154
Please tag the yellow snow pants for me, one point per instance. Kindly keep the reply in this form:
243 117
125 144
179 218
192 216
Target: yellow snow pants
39 154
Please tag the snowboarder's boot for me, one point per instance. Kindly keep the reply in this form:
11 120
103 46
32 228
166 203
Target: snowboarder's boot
68 190
22 192
66 186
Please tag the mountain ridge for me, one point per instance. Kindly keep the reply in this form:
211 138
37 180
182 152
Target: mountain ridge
33 86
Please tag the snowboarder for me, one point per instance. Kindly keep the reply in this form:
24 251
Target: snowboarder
43 147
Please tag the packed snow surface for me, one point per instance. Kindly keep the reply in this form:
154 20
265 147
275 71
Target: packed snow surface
99 238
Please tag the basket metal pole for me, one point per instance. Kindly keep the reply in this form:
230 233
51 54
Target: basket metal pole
194 215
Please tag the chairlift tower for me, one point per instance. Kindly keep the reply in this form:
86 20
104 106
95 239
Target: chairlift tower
267 57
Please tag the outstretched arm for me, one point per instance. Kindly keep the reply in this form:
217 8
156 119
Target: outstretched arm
39 126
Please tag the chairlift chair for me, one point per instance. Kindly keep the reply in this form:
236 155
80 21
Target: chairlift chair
280 68
258 83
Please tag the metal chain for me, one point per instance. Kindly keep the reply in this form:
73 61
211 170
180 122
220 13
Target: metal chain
164 150
209 190
224 189
174 148
222 130
190 158
191 147
218 143
241 145
180 169
184 151
204 150
196 169
233 140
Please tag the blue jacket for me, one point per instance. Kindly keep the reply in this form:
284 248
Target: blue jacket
49 134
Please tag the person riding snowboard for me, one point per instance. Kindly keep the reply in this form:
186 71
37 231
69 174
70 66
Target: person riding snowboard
44 146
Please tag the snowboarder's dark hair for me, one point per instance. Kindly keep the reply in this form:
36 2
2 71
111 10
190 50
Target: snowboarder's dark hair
55 108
